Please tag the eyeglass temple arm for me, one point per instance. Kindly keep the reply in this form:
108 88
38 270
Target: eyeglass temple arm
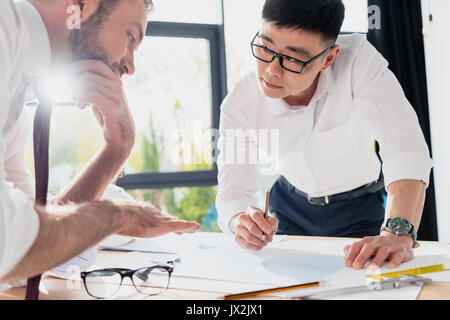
316 57
144 275
105 272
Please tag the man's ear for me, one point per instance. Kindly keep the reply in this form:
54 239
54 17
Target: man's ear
331 56
87 7
80 4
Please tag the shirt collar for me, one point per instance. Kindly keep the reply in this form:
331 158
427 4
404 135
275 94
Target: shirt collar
39 61
325 85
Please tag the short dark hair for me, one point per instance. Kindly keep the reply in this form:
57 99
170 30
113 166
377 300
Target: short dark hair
106 7
324 17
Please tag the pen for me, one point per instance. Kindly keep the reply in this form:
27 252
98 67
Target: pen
264 291
266 210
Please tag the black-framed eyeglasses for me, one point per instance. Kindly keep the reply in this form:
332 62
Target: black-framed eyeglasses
104 283
288 63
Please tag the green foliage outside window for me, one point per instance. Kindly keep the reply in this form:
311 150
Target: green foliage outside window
71 150
191 203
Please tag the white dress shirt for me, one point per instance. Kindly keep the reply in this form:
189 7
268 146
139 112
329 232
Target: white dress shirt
326 147
24 54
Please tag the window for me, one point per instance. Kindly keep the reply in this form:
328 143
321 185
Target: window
193 11
74 138
176 95
166 112
190 203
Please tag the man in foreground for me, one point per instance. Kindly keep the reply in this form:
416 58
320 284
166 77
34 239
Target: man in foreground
34 40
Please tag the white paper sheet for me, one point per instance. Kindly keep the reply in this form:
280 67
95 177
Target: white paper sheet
317 246
348 277
336 246
268 266
81 262
443 276
173 243
213 256
218 257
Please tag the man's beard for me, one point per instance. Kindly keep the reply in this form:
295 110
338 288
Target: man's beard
85 44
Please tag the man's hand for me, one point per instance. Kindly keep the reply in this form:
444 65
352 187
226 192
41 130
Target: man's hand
385 247
142 219
249 227
76 227
97 85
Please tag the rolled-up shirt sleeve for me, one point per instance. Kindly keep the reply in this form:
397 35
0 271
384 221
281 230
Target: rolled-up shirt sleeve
19 223
238 173
390 118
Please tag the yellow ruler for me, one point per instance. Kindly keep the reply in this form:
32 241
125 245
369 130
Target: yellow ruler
415 271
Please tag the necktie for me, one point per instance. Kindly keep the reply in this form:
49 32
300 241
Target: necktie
41 135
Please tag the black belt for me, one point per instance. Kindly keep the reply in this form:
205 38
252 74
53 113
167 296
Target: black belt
348 195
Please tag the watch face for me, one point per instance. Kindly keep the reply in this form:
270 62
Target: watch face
399 225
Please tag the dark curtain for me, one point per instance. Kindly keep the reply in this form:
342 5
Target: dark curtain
399 39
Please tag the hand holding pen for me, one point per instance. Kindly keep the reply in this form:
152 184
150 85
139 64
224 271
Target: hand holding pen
254 229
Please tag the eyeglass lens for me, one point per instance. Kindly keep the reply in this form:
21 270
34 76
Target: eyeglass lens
151 281
103 284
267 55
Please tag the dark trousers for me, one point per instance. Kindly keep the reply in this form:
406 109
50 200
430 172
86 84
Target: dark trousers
354 218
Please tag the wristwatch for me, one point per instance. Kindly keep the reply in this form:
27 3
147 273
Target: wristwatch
401 227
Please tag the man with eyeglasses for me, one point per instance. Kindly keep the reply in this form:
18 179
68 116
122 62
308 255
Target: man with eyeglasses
327 98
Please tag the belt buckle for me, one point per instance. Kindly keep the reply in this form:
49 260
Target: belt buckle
327 201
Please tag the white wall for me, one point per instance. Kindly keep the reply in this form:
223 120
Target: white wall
437 52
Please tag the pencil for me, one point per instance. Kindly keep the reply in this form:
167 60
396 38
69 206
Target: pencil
266 211
264 291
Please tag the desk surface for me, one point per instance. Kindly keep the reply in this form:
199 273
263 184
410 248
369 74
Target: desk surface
60 289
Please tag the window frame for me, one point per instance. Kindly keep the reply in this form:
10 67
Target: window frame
215 34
